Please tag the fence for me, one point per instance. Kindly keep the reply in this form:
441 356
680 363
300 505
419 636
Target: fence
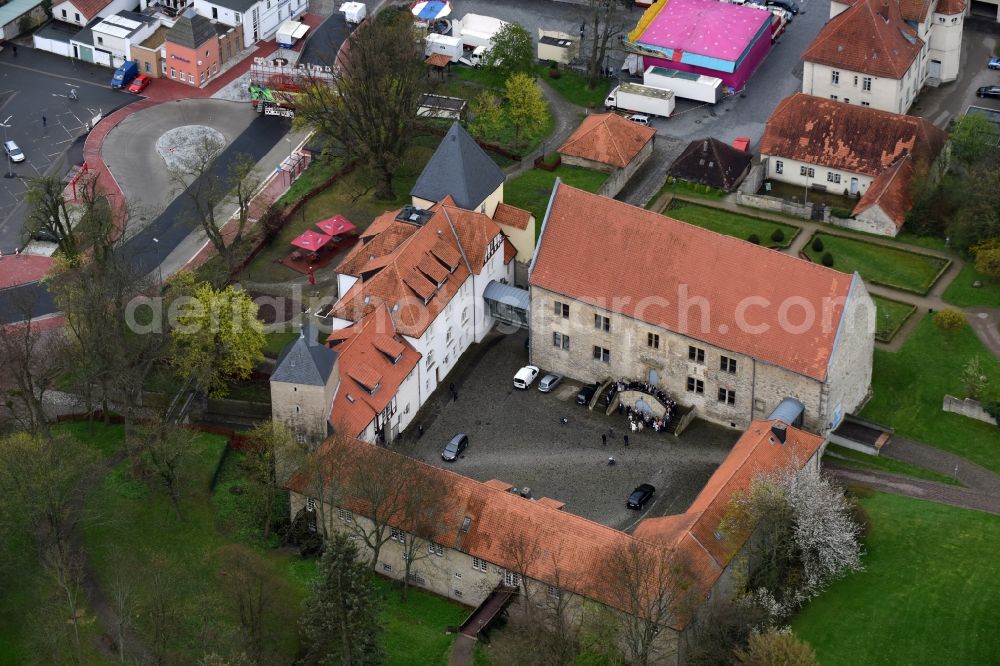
968 407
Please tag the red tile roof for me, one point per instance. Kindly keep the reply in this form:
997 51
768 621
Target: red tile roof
512 216
840 136
949 7
415 270
890 191
366 354
607 138
642 264
869 37
90 8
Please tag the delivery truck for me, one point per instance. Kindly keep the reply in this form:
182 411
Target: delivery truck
477 30
641 99
443 44
124 74
684 84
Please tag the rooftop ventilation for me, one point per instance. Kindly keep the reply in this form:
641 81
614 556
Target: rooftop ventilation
414 215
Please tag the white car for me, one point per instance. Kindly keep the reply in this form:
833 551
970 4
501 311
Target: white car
640 118
525 377
13 151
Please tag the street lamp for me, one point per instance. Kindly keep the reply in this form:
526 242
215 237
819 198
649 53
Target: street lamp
10 167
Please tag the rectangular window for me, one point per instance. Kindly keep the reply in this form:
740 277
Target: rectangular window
560 341
215 13
511 579
695 385
201 77
190 77
779 166
602 323
310 504
727 364
833 97
835 77
866 103
695 354
387 567
397 535
146 65
727 396
653 340
832 177
345 515
602 354
100 40
429 361
554 592
77 17
478 564
855 80
173 72
866 84
562 310
64 13
807 171
435 549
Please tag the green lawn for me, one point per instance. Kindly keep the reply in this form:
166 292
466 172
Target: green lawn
891 317
532 189
961 292
851 458
880 264
686 189
574 87
909 385
928 594
276 342
731 224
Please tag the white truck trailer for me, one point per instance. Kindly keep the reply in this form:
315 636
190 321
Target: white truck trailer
444 44
684 84
641 99
477 30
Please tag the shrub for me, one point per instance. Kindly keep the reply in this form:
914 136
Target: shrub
754 238
817 244
842 213
949 319
827 259
778 236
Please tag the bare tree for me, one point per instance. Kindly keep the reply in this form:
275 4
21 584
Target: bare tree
161 608
272 442
124 606
165 453
252 588
369 110
424 511
212 189
654 588
607 21
379 483
65 567
49 214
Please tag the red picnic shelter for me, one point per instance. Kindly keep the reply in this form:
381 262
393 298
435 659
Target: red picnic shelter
310 240
338 225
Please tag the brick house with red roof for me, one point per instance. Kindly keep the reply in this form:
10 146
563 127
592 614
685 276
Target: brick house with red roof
82 12
608 142
814 142
724 326
490 538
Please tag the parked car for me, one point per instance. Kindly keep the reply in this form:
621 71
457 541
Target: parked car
586 394
549 382
45 236
787 5
458 443
994 62
13 151
139 83
989 91
640 118
640 496
525 377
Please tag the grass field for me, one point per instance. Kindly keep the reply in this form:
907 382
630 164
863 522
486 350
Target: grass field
908 387
731 224
532 189
879 264
687 189
891 317
573 87
928 594
851 458
961 292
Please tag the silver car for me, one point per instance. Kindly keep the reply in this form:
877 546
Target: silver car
549 382
13 151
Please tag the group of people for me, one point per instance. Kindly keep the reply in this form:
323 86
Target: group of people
639 419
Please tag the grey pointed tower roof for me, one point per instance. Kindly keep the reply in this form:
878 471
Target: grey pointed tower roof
305 361
191 30
461 168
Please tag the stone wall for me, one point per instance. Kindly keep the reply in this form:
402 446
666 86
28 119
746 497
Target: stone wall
849 372
620 177
968 407
777 205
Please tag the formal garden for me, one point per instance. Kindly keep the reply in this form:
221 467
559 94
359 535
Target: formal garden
878 264
745 227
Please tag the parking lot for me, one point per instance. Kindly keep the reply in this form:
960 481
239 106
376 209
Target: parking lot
35 84
518 437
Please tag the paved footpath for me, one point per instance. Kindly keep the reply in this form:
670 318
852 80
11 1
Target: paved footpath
918 488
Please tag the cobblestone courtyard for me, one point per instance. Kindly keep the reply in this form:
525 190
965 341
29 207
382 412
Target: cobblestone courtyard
518 437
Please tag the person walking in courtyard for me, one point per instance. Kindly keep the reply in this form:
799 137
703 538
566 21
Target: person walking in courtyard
44 121
604 439
626 440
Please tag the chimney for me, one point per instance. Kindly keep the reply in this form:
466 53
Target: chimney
780 431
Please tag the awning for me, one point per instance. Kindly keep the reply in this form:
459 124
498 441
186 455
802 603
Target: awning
337 225
507 294
438 60
310 240
430 10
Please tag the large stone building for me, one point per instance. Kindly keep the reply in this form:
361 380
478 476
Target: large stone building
488 538
819 143
723 325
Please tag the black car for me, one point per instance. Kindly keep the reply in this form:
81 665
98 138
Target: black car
788 5
989 91
640 496
458 443
586 394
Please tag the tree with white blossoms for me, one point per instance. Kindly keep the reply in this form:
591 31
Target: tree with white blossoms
801 537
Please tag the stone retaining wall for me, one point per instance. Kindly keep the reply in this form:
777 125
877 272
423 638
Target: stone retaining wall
968 407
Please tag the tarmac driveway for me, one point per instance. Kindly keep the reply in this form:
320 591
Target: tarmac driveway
518 437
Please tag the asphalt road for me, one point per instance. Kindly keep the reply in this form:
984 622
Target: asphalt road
36 84
169 228
321 48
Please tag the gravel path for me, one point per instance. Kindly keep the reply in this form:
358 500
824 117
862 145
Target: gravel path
918 488
973 476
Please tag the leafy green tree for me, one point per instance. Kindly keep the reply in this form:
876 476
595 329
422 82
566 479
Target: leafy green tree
511 53
972 137
216 335
974 378
340 623
487 113
987 256
776 647
949 319
526 107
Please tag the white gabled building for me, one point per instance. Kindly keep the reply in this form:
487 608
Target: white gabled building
258 19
